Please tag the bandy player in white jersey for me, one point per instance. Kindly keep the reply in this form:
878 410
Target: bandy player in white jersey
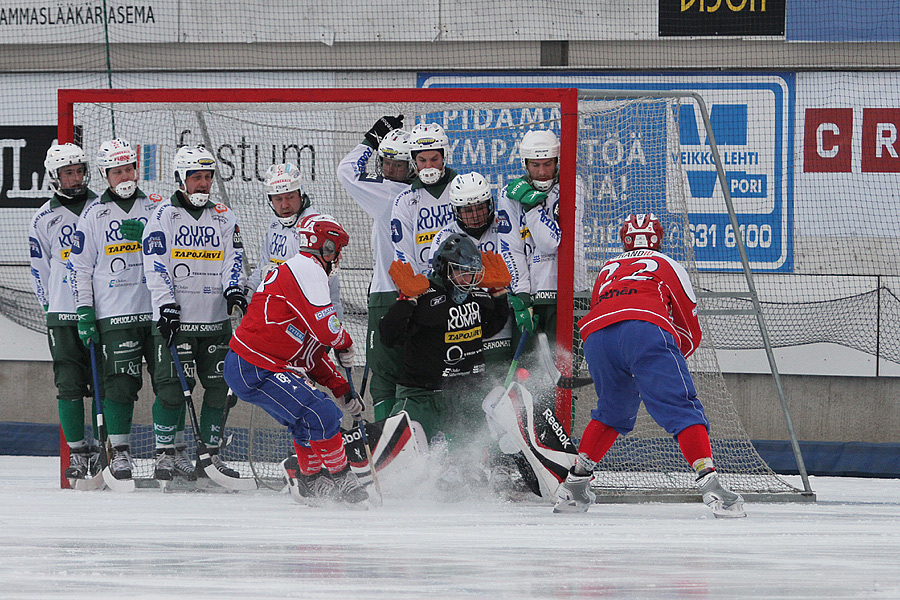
641 327
424 209
280 351
106 274
375 193
537 205
285 195
193 261
476 214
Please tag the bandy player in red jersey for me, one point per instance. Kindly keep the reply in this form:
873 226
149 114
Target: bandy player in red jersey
641 327
280 350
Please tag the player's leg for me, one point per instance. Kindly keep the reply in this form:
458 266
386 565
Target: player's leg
210 359
73 380
424 407
385 364
169 404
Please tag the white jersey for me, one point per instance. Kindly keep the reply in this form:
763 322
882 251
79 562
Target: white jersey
282 243
416 217
106 270
542 238
50 242
375 195
191 261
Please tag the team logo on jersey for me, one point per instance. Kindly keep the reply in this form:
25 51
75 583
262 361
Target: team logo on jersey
424 238
324 313
78 241
334 324
155 197
503 224
64 254
295 333
220 208
122 248
54 221
396 230
35 248
236 240
438 300
463 316
155 243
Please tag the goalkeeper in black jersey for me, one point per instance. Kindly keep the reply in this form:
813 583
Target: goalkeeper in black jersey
440 322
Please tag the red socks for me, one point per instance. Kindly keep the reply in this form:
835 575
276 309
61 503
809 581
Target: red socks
694 444
596 440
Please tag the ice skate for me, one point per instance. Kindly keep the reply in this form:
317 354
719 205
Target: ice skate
313 490
506 481
219 464
184 467
348 486
95 465
165 464
723 502
574 495
79 459
120 466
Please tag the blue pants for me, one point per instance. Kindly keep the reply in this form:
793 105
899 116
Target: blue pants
289 398
631 361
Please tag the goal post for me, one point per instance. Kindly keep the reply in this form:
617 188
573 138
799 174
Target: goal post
250 129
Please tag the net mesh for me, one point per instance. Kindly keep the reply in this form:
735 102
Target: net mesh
625 160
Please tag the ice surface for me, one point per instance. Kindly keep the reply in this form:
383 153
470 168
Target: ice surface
67 544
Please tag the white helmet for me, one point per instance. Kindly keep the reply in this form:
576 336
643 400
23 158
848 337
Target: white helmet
187 160
116 153
64 155
430 136
282 179
472 190
540 144
394 146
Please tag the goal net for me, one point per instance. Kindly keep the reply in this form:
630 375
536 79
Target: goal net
249 130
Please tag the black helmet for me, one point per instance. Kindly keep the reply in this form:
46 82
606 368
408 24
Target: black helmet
456 257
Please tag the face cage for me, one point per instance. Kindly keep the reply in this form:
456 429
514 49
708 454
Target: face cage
379 168
455 270
56 182
475 219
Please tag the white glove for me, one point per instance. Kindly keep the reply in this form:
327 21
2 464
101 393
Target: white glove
345 357
351 404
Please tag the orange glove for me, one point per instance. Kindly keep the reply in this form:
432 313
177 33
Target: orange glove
409 283
496 275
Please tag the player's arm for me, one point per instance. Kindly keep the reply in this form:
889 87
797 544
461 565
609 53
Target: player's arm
39 251
262 267
82 260
325 373
402 231
155 247
512 245
543 228
395 322
494 314
233 265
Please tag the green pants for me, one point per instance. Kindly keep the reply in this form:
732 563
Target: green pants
203 358
73 378
123 352
385 363
454 410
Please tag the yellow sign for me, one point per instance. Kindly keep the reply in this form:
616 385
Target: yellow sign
64 253
192 254
424 238
123 248
452 337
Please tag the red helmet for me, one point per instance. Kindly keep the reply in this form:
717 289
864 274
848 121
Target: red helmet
323 237
641 231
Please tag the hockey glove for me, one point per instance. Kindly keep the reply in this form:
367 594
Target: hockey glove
169 322
132 229
381 128
496 275
345 357
522 192
235 297
87 325
521 305
351 404
409 283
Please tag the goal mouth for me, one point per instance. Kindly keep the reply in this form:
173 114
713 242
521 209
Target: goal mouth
618 155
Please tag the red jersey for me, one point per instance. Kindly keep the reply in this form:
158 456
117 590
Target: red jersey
291 324
645 285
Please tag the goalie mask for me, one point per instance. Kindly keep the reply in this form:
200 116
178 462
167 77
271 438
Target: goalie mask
472 202
189 160
60 156
457 262
540 144
324 238
641 231
118 153
424 137
281 180
394 149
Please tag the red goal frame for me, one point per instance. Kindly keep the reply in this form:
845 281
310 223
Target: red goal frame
567 98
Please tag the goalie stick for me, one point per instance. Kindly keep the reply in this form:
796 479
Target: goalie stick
204 459
365 441
547 358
